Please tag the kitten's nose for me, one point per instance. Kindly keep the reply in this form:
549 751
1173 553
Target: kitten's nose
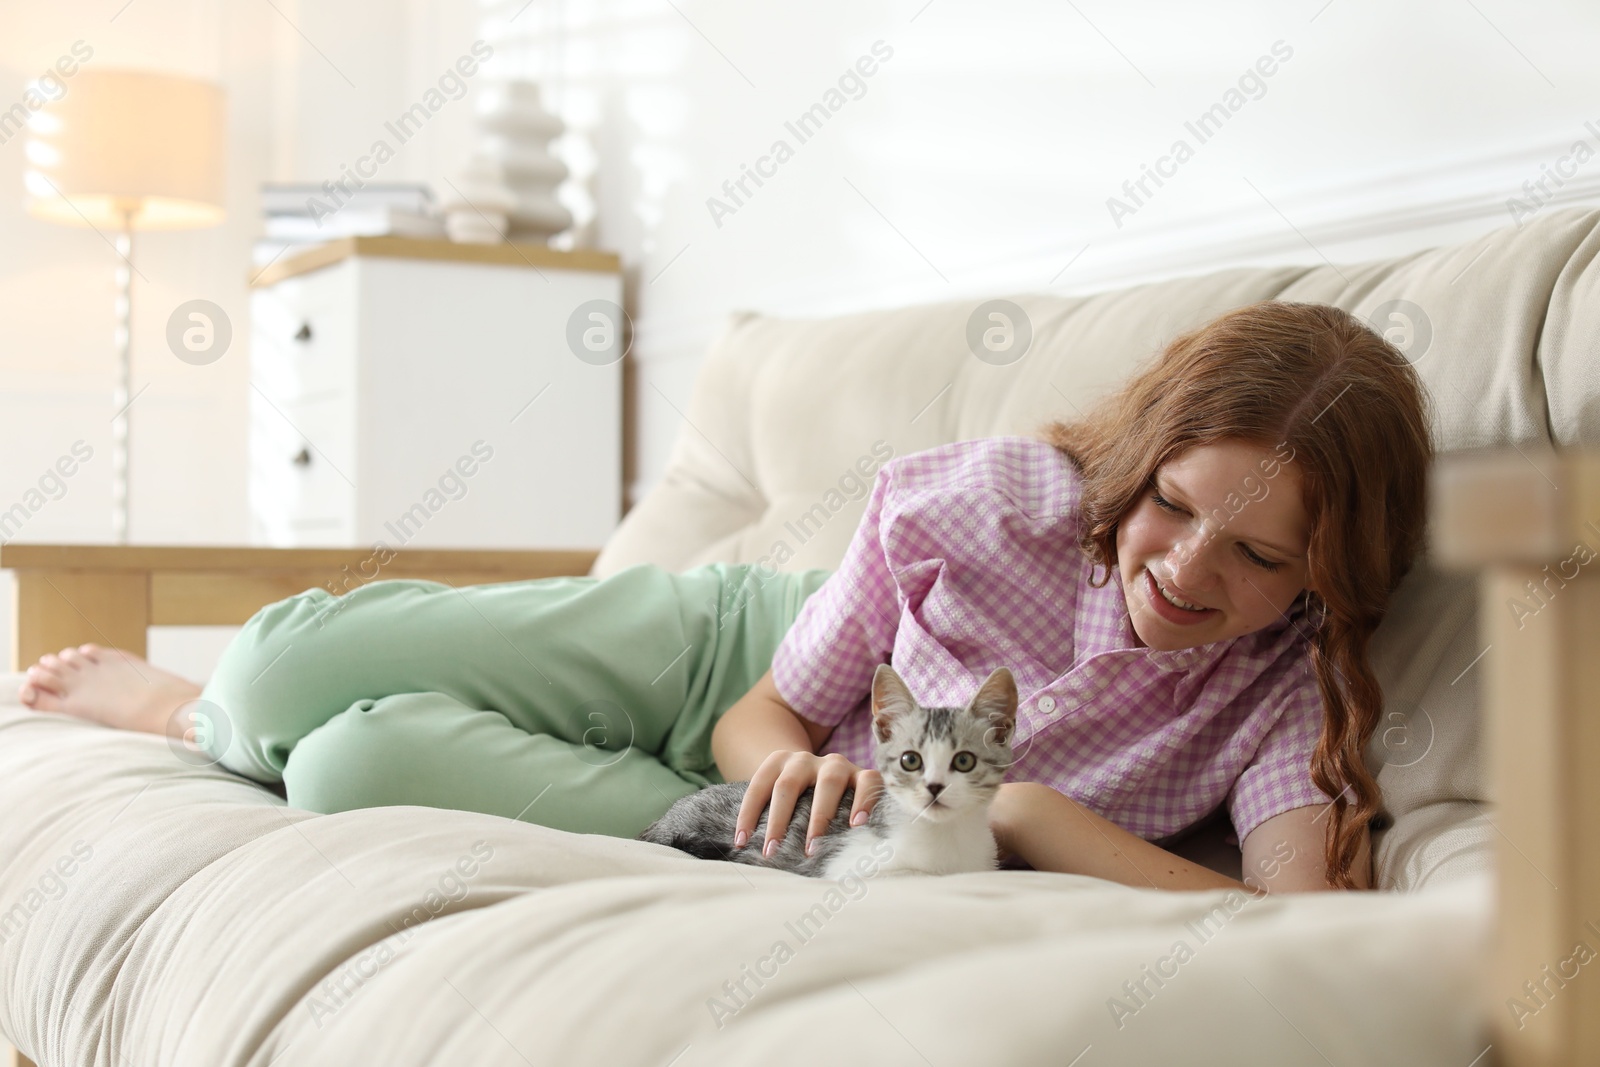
935 788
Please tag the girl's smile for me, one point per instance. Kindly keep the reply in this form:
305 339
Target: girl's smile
1216 548
1173 608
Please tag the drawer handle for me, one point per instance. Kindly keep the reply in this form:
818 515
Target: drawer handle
303 334
303 458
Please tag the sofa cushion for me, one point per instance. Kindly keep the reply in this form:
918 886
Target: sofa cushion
201 923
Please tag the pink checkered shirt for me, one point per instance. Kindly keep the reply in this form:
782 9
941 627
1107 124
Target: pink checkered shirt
967 559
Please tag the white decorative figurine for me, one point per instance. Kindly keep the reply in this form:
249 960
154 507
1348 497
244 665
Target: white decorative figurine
507 189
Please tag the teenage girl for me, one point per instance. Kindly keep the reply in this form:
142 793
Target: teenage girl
1183 584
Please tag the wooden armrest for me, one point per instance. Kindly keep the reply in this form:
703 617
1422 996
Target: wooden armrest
1531 522
112 594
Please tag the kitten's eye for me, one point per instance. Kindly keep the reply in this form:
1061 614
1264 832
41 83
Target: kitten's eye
910 761
963 761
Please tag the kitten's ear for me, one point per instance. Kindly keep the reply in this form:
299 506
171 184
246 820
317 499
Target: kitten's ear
996 701
890 698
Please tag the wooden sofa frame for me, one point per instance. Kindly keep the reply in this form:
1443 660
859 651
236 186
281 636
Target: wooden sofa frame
1518 519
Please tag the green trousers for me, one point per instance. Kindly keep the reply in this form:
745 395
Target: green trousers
581 703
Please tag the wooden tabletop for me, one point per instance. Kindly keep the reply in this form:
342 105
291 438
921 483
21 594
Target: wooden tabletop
23 555
533 257
112 594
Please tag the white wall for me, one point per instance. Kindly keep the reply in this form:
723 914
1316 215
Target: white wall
309 86
980 158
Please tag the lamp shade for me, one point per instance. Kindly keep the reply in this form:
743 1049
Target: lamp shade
134 146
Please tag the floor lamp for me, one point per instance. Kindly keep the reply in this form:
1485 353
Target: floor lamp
121 150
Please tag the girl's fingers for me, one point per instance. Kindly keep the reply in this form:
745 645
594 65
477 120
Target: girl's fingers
869 787
834 775
777 785
756 795
785 792
831 784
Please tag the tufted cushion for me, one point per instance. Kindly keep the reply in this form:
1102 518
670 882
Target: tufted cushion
161 913
785 410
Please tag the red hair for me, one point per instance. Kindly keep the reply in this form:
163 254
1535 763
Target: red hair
1354 414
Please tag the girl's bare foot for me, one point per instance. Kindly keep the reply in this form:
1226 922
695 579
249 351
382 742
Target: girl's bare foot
107 686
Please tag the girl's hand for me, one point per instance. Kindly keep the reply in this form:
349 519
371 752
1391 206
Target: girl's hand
783 776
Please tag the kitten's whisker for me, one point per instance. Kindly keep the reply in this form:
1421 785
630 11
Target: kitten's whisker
922 811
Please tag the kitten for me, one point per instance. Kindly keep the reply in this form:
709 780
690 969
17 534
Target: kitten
941 768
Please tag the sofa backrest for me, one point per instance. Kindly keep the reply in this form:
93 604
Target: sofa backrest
790 417
783 408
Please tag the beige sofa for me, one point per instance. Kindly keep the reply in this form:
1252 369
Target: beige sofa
152 911
785 409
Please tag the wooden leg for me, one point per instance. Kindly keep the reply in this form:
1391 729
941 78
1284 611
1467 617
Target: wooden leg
1542 736
59 609
1530 521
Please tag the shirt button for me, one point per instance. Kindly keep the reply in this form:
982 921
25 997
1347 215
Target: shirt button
1047 704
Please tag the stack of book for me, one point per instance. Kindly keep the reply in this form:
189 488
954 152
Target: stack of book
299 214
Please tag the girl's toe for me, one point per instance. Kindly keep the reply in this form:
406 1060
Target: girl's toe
39 699
91 652
70 657
46 678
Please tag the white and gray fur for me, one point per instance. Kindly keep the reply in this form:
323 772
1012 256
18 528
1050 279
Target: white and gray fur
930 819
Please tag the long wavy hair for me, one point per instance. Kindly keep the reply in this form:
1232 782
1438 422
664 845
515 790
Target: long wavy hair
1355 414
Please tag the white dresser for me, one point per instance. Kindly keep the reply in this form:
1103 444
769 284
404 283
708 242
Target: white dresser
430 394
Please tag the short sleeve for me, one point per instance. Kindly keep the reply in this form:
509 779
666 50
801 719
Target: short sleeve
1278 779
824 665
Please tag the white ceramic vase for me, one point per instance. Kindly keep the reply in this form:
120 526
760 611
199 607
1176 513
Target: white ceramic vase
507 189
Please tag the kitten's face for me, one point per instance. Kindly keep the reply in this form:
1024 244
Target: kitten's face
941 762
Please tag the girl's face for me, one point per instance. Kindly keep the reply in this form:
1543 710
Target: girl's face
1217 548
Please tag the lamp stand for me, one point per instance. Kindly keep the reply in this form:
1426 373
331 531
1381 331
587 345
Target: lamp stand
123 382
